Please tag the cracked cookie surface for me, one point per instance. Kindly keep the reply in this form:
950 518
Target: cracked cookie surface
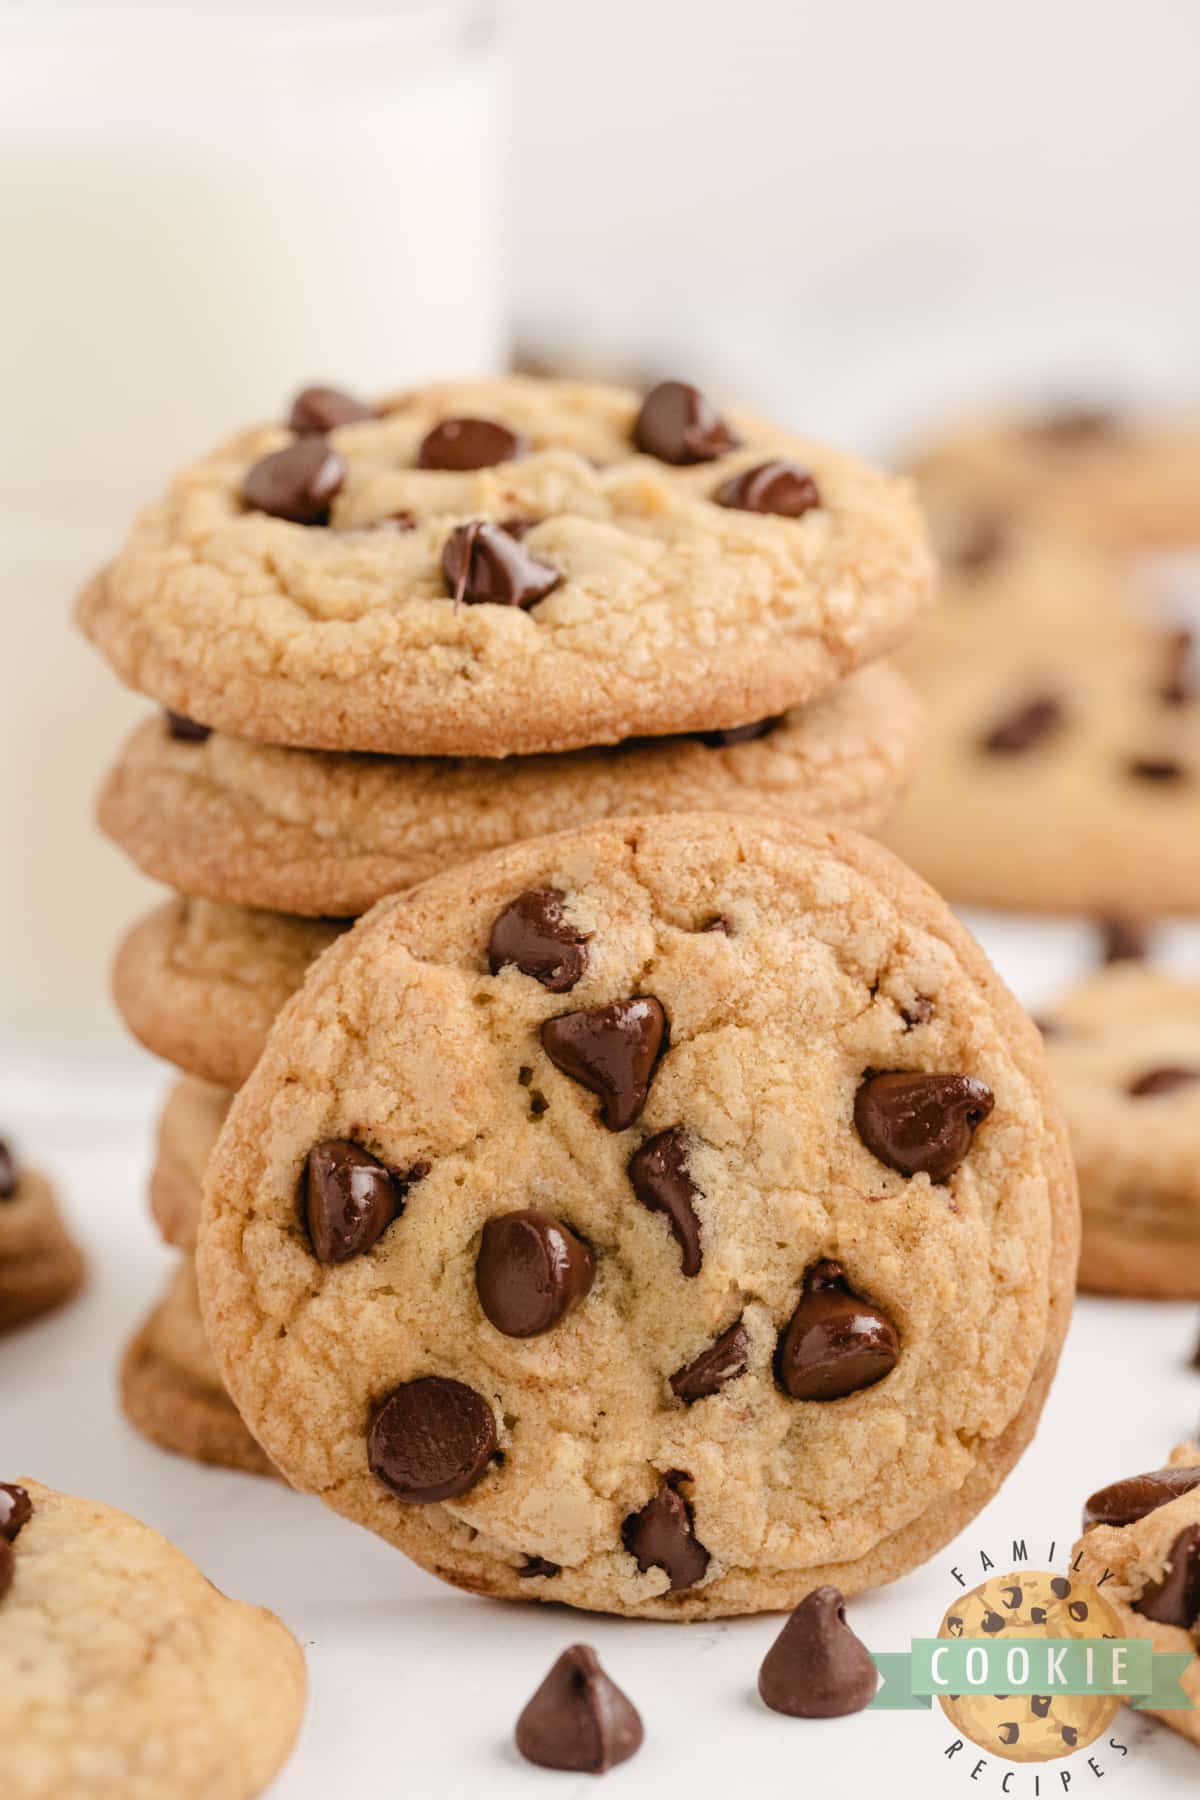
798 1313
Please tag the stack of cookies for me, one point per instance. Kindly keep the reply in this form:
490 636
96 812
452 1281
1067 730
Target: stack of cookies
388 638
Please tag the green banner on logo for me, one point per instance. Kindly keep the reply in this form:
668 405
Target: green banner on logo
1126 1667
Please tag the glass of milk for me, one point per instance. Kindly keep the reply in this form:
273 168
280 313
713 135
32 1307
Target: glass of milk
202 207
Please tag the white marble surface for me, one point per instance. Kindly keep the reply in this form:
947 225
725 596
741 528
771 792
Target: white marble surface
414 1687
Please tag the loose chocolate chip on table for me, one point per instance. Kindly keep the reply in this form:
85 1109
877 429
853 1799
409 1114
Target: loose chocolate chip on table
350 1199
7 1566
316 410
920 1123
538 1565
1162 1081
185 729
298 483
661 1536
612 1051
659 1173
1030 724
530 1272
738 734
1123 939
1126 1501
16 1509
709 1372
484 566
579 1719
817 1668
835 1342
1164 769
678 425
533 935
1175 1598
782 488
459 445
8 1172
431 1439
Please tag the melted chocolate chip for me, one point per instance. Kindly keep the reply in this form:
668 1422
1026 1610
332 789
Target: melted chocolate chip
533 935
610 1050
8 1172
431 1439
350 1199
773 487
185 729
459 445
659 1173
709 1372
484 566
918 1011
678 425
1031 724
1175 1598
921 1123
530 1272
1163 770
1126 1501
661 1536
836 1343
1123 939
16 1509
298 483
738 734
817 1668
316 410
579 1719
538 1565
1162 1081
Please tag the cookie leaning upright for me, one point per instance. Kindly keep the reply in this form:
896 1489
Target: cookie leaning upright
512 566
665 1217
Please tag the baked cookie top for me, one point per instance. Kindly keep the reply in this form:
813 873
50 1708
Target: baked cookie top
124 1673
519 565
324 833
658 1217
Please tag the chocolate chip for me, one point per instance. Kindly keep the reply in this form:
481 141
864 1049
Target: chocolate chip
1162 1081
185 729
538 1565
530 1272
709 1372
298 483
678 425
1012 1598
579 1719
738 734
918 1011
7 1566
1031 724
1039 1705
350 1199
1060 1587
659 1173
835 1342
8 1172
1123 939
921 1123
1126 1501
16 1509
612 1051
316 410
431 1439
817 1668
1161 769
484 566
719 922
1175 1598
1078 1610
1037 1615
1179 686
773 487
533 935
1069 426
660 1536
460 445
982 546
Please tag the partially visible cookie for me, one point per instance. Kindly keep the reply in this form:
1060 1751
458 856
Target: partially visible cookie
504 567
40 1263
1124 1052
303 831
171 1389
200 984
667 1217
1141 1548
187 1130
124 1673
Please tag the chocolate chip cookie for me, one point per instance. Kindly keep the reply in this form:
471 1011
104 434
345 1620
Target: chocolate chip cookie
512 566
187 1130
1124 1053
667 1217
40 1264
1141 1548
325 834
124 1673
